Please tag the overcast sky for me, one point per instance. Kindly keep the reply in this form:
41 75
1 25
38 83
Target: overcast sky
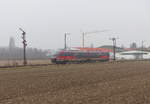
46 21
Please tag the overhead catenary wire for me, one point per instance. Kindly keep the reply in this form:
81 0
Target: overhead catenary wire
92 32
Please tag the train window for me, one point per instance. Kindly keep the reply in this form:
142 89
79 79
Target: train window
81 55
70 54
104 54
67 54
92 55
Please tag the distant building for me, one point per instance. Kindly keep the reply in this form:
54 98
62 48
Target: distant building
133 45
11 43
133 55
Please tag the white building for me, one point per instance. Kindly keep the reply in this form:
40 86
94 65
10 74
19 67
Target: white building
133 55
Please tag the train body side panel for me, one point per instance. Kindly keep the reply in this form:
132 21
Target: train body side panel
79 56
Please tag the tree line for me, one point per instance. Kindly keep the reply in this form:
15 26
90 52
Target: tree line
16 53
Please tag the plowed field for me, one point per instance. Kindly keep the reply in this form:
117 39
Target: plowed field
98 83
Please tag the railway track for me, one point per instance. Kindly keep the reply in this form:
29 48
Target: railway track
111 61
11 66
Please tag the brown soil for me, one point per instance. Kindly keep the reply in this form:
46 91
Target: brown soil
98 83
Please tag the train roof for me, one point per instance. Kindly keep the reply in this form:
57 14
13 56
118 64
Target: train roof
83 51
94 49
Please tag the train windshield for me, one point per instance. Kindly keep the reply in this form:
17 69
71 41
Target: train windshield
55 54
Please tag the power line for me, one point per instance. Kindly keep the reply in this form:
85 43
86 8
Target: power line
87 33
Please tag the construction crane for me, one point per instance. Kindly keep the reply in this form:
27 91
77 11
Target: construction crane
87 33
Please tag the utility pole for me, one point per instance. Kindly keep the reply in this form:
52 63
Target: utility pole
142 49
24 46
65 40
114 47
83 36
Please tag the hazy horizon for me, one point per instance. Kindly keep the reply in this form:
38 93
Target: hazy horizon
46 21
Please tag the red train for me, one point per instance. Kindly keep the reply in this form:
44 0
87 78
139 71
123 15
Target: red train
63 57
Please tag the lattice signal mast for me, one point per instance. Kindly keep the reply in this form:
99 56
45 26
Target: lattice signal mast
24 46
